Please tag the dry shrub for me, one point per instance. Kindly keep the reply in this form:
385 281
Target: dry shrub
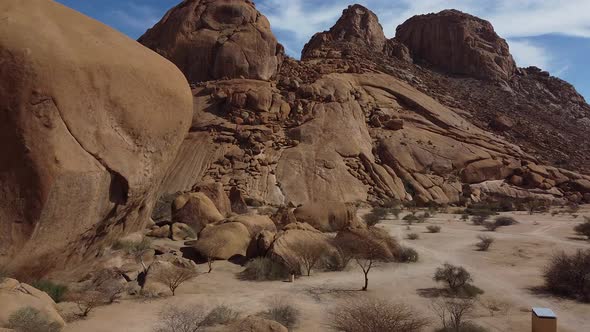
407 255
221 315
583 229
175 276
454 314
375 315
87 301
484 242
264 268
505 221
283 312
375 216
31 320
175 319
413 236
433 228
455 277
569 275
490 226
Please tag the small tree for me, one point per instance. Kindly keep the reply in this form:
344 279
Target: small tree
484 242
309 253
375 315
175 276
456 277
88 301
453 314
584 228
375 216
410 218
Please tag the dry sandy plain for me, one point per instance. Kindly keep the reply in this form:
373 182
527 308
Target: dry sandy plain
508 274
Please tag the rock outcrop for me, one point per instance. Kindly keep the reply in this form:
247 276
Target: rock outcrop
210 40
458 43
90 122
327 216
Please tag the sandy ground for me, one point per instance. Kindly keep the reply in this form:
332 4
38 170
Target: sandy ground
508 274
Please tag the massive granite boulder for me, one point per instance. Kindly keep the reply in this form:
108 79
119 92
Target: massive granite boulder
90 121
458 43
210 39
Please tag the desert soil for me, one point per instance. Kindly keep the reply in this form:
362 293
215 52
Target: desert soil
508 274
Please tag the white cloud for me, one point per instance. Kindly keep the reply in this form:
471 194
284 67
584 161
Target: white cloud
527 54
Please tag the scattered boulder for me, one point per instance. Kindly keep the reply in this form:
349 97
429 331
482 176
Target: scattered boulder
215 192
180 232
255 324
15 296
327 216
254 223
223 241
394 124
210 40
196 210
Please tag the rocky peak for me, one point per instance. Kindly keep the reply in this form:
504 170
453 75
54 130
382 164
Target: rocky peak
211 40
458 43
357 26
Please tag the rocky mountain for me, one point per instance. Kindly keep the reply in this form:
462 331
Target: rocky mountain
439 114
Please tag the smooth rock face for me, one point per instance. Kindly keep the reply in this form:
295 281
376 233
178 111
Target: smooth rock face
327 216
15 296
210 40
90 122
458 43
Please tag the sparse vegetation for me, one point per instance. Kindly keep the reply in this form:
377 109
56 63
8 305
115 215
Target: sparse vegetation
454 314
132 247
505 221
309 254
490 226
283 312
375 216
456 277
87 302
583 229
264 268
175 276
410 218
485 242
569 275
31 320
413 236
175 319
375 315
407 255
221 315
56 291
464 217
433 228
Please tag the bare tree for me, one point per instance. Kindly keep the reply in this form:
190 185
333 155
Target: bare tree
375 315
88 301
309 253
175 276
453 313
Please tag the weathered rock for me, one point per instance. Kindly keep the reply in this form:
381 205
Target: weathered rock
196 210
92 121
357 26
211 40
394 124
15 296
180 231
327 216
459 43
215 192
223 241
161 232
254 223
236 198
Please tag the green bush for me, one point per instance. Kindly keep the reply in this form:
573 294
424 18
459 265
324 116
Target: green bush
407 255
264 268
413 236
568 275
56 291
375 216
433 228
31 320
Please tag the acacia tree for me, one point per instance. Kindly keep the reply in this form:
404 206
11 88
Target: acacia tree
175 276
310 253
454 276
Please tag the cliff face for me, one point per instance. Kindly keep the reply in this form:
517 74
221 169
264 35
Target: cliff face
357 120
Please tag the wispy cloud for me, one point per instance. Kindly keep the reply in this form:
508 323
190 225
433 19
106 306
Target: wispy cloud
135 16
527 53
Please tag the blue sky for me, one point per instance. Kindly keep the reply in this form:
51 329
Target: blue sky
551 34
